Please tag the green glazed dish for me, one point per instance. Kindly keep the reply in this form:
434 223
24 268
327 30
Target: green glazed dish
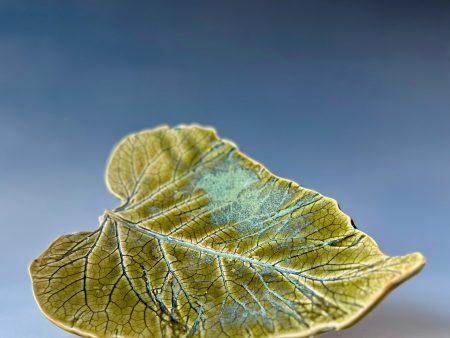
208 243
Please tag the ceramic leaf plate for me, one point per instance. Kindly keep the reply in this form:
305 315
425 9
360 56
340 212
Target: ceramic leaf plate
208 243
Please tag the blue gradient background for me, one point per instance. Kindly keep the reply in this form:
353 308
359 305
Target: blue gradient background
350 98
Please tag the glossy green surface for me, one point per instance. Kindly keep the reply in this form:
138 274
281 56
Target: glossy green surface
209 243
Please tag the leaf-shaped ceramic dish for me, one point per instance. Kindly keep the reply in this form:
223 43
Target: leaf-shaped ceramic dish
209 243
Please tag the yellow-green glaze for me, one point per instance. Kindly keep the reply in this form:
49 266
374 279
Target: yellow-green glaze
208 243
